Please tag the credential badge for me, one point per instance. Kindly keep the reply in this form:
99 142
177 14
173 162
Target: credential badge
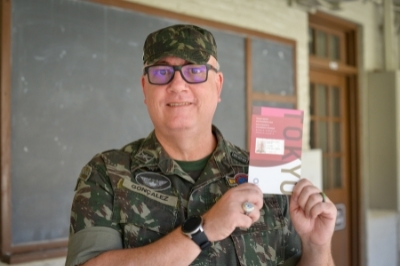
154 181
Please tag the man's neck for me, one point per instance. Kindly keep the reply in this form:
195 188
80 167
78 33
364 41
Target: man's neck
187 146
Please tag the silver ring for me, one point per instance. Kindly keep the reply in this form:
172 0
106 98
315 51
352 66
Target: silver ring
247 207
323 196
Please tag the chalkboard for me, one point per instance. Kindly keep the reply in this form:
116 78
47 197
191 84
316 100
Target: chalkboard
273 71
75 91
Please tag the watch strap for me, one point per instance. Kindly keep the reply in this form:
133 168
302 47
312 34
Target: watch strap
201 239
193 228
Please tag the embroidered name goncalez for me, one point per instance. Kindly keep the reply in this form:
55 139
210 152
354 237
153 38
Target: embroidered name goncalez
154 181
148 192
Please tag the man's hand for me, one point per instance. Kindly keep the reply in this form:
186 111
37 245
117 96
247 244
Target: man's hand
313 219
227 214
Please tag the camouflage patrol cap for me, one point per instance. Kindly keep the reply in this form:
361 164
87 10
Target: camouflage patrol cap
188 42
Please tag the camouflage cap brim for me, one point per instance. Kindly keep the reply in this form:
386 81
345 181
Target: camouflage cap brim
189 42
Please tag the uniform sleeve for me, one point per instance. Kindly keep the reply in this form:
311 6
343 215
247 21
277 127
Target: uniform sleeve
91 223
91 242
93 201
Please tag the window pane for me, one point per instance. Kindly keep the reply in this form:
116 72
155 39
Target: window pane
335 105
312 99
312 135
272 67
336 136
337 172
322 136
321 44
334 47
321 100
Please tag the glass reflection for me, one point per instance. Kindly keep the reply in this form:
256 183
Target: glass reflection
334 48
321 44
321 100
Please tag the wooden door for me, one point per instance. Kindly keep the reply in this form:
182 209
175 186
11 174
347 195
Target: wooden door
334 125
329 132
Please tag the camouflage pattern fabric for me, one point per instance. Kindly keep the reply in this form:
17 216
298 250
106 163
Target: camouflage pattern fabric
189 42
117 189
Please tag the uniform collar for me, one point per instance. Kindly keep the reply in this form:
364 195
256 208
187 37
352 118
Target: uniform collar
152 155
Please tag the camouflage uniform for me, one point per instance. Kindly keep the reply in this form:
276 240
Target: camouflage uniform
141 210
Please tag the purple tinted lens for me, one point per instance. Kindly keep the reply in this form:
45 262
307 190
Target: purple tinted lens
160 74
194 73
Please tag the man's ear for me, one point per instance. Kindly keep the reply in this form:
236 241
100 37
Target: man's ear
143 82
220 81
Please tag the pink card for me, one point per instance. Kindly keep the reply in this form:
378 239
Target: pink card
275 149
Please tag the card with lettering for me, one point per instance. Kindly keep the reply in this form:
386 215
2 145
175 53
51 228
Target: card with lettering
275 149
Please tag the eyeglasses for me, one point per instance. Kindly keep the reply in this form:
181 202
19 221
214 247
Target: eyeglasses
163 74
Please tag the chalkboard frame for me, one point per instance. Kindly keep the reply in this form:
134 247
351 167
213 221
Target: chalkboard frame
56 248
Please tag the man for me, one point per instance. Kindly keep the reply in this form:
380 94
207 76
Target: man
171 198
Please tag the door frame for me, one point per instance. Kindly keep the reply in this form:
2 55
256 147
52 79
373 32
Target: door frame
349 68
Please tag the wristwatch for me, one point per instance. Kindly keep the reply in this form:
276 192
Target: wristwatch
192 227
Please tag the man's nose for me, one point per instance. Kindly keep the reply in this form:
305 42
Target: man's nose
177 83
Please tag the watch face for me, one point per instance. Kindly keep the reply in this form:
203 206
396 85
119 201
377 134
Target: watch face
192 224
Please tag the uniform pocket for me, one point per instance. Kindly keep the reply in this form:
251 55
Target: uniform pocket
263 243
145 215
258 247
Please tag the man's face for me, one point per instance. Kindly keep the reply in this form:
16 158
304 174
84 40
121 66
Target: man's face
179 105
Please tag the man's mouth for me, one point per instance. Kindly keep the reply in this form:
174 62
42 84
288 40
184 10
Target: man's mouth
178 104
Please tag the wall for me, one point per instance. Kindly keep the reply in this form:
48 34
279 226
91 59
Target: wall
383 212
383 229
382 132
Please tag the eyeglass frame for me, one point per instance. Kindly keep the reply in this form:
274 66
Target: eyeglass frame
179 68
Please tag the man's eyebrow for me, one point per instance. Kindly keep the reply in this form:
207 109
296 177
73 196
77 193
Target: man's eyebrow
161 62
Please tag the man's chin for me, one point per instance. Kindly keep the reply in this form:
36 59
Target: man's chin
182 127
